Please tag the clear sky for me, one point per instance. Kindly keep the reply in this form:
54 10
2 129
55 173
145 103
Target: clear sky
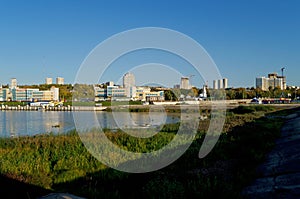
245 38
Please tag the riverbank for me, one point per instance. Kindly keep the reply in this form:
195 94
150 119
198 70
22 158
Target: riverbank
50 108
279 175
60 163
203 105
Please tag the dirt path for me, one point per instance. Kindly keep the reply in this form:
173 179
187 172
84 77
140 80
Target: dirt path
279 175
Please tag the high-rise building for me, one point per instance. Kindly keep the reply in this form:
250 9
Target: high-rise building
128 80
185 83
220 83
215 84
13 83
176 86
129 85
263 83
225 83
49 80
272 81
283 82
60 80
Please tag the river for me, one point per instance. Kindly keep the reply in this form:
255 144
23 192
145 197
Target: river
29 123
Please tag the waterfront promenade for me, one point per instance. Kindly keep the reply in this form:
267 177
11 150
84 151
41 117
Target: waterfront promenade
279 175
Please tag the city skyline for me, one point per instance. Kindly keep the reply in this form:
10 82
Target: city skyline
245 39
128 82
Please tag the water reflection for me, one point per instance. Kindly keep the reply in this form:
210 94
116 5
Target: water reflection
122 120
21 123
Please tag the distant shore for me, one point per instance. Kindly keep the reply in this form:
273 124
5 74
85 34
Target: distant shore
139 108
61 108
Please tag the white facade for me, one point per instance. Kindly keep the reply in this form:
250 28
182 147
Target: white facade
272 81
203 95
49 80
184 83
129 85
60 80
263 83
128 80
55 93
215 84
28 94
138 93
225 83
13 83
220 83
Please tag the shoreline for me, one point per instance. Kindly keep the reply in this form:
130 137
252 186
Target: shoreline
62 108
137 108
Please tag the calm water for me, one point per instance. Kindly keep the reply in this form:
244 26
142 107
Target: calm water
21 123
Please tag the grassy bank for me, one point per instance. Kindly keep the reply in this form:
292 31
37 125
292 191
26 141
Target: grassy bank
61 163
14 103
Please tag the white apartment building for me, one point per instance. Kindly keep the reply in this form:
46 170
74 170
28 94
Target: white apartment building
272 81
220 83
129 85
60 80
184 83
49 80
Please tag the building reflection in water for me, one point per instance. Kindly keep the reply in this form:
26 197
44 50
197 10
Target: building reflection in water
23 123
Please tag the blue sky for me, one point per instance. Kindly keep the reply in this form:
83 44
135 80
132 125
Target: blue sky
40 39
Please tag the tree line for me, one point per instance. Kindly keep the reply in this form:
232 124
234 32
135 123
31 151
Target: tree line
234 93
66 90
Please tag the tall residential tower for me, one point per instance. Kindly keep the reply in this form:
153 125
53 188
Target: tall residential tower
60 80
220 83
129 84
13 83
185 83
49 80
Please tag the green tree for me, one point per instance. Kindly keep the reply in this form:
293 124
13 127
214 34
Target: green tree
230 94
170 95
195 92
83 92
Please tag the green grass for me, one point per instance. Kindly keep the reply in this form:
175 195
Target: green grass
69 103
251 109
118 103
46 160
61 162
80 103
14 103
